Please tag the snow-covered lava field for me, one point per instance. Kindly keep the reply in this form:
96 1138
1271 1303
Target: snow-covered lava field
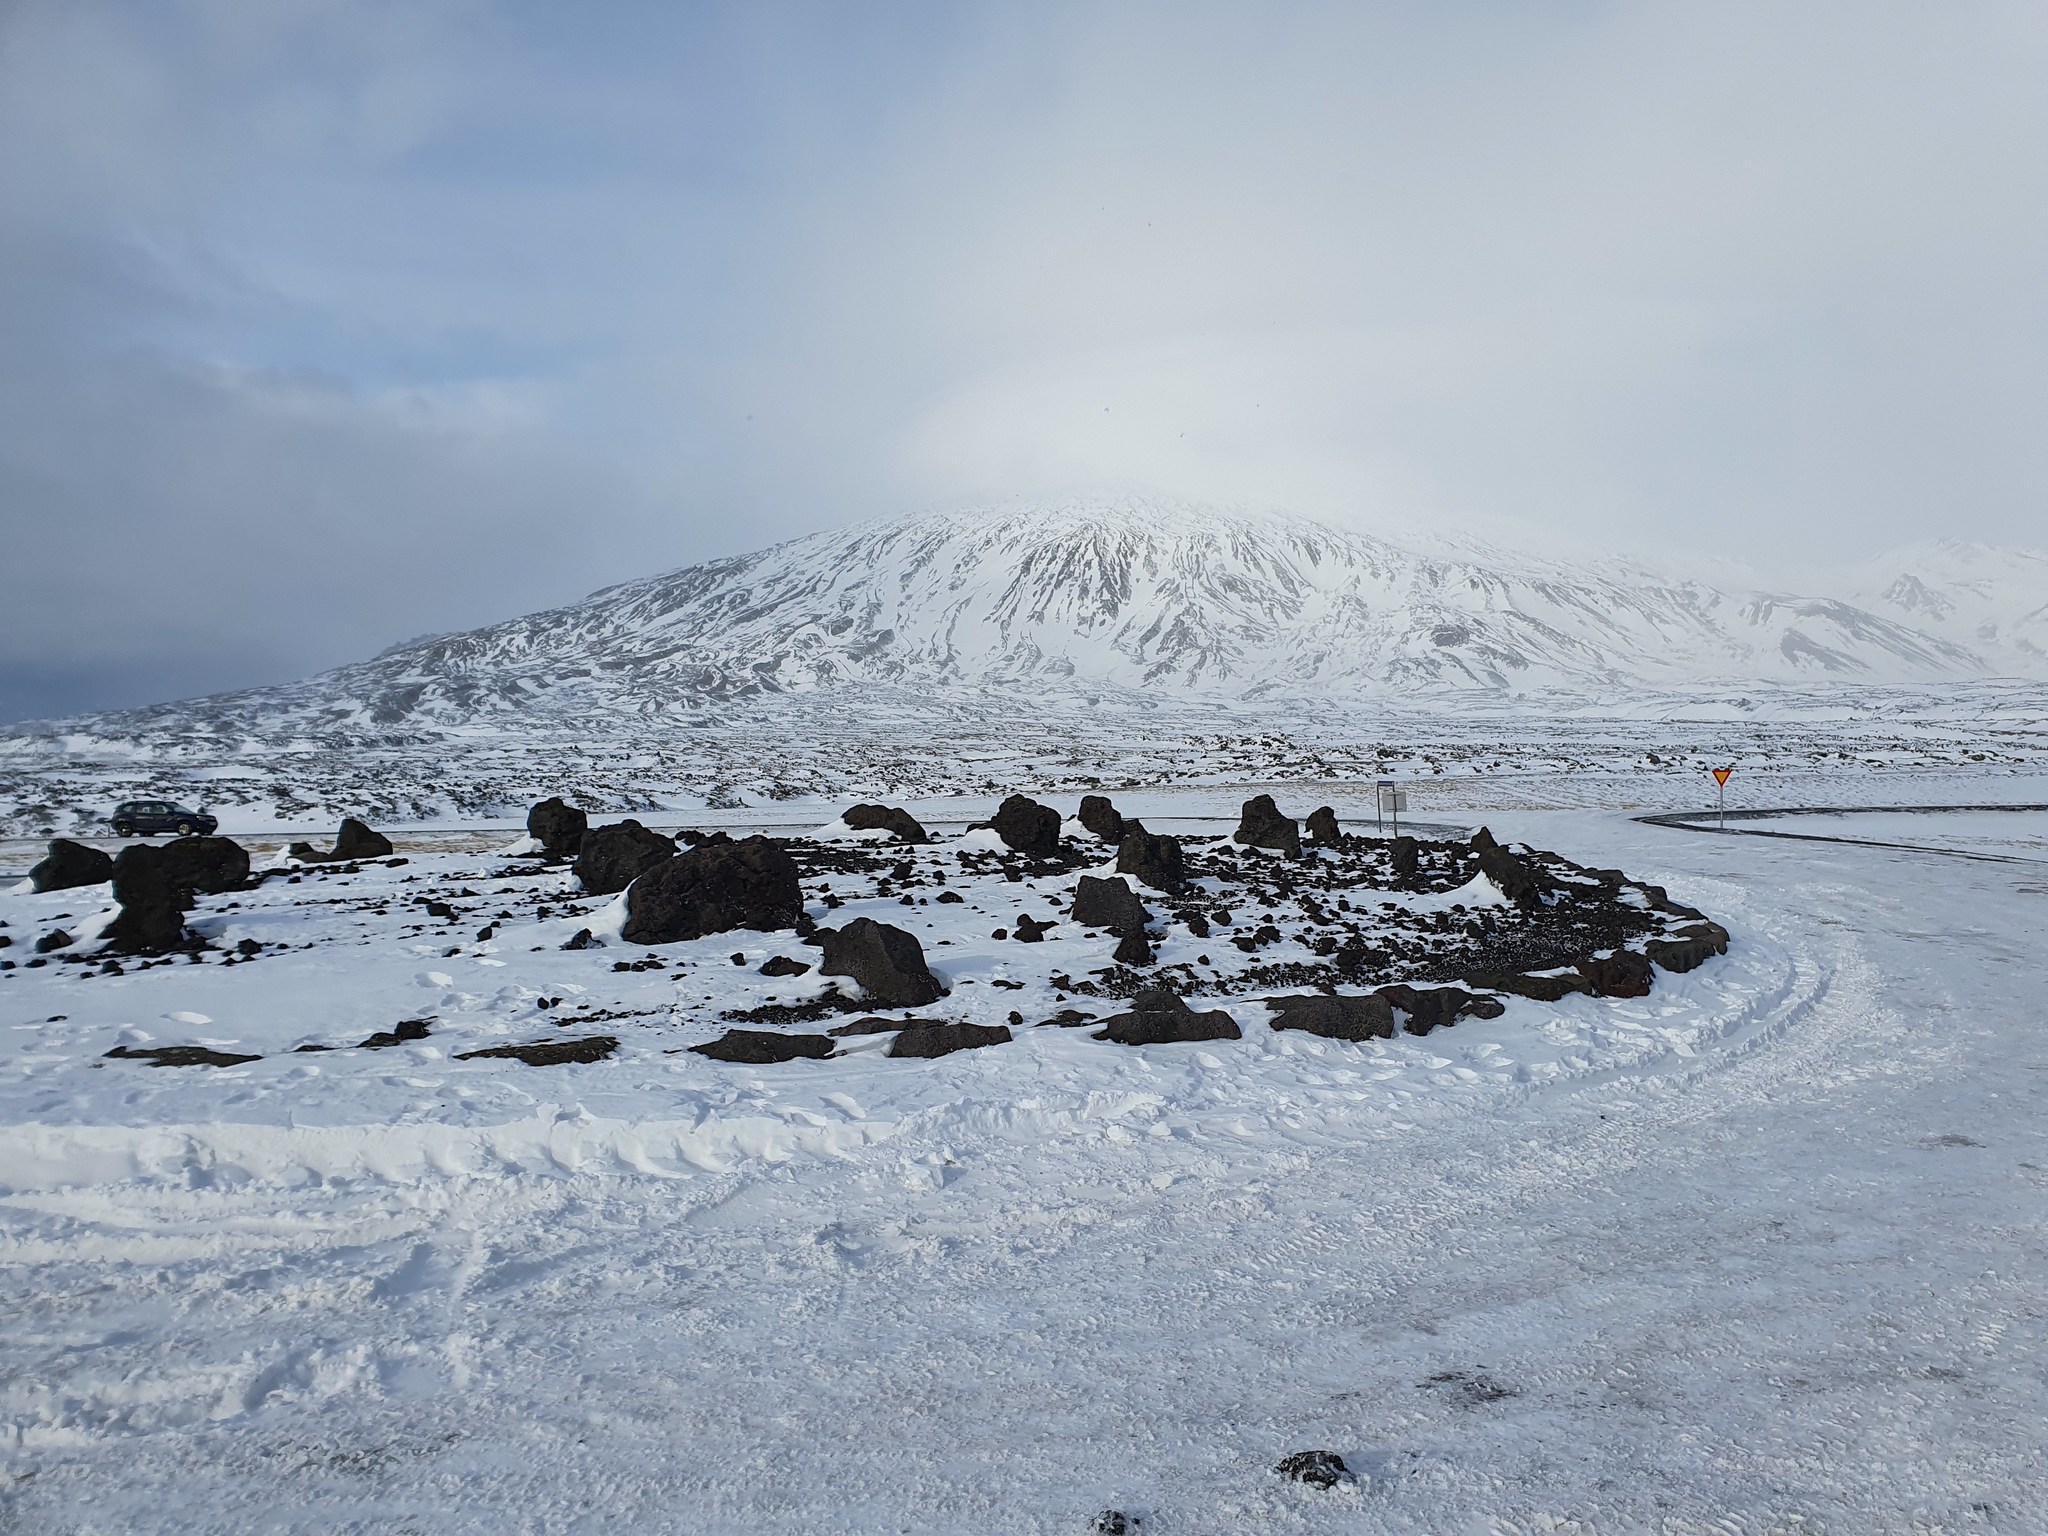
1757 1250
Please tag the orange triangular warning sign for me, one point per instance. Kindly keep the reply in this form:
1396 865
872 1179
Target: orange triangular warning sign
1721 775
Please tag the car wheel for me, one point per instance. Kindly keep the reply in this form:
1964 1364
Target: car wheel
122 829
184 829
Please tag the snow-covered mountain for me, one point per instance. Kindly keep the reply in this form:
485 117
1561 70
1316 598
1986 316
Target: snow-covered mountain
1139 595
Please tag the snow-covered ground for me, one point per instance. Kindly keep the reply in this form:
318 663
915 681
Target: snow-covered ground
1760 1252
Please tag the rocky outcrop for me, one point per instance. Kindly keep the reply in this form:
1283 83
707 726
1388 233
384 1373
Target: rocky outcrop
1406 855
1322 826
558 827
210 864
1101 818
764 1047
1109 902
1025 825
1134 949
614 856
1335 1018
1520 881
1159 1017
153 904
925 1041
181 1055
1151 859
1319 1469
888 963
1431 1008
70 864
714 888
1260 825
898 823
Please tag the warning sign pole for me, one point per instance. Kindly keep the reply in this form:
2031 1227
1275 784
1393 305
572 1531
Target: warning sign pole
1721 794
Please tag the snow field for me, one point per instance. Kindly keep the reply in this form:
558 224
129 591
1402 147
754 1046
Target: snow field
1789 1281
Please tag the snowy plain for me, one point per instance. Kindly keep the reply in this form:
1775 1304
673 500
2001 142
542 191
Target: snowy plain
1761 1252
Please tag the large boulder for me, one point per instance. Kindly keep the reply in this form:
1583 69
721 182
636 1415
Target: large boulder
896 821
1322 826
1519 880
1151 859
1260 825
1431 1008
1624 973
1335 1018
153 903
1159 1017
1690 948
1543 986
558 827
926 1041
1109 902
614 856
887 962
71 864
1406 855
1101 818
714 888
1025 825
354 841
764 1047
357 841
209 864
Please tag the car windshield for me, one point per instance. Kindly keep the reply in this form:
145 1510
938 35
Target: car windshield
177 810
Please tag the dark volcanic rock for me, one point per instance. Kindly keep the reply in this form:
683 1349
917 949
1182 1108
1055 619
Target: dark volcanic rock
929 1040
1151 859
763 1047
886 818
1025 825
398 1034
181 1055
153 904
614 856
1101 818
1319 1469
1407 856
1544 988
549 1053
357 841
1624 973
1519 880
52 941
887 962
1436 1007
782 965
874 1025
558 827
71 864
1108 902
580 939
1322 825
1133 948
209 864
1690 947
1260 825
1030 930
1159 1017
714 888
1335 1018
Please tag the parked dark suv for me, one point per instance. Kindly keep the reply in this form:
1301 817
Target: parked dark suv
147 816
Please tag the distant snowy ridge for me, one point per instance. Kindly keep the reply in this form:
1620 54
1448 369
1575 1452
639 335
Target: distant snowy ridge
1130 595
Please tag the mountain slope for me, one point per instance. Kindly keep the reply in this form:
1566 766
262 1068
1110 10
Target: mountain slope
1119 595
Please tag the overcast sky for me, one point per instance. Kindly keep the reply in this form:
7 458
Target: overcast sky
325 323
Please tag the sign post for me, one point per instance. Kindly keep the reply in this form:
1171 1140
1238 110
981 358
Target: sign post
1721 794
1390 800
